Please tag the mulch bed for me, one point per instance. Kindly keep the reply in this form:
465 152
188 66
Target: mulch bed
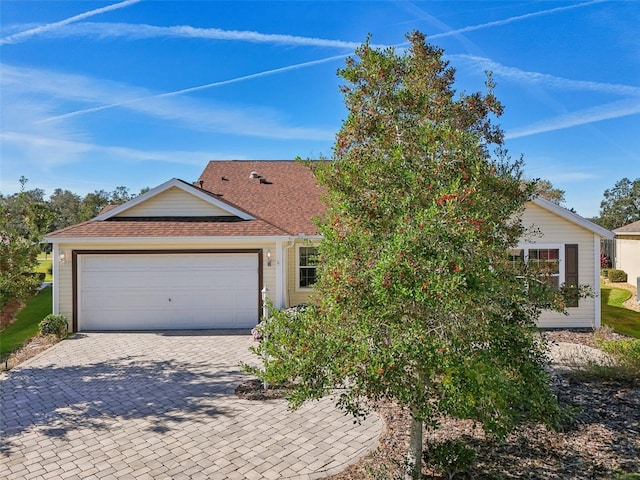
602 440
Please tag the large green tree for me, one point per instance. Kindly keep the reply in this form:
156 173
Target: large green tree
416 301
621 204
24 220
66 207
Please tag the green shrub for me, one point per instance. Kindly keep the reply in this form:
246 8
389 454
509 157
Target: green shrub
450 457
604 272
615 275
54 325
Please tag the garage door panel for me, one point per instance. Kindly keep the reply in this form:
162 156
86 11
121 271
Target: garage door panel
169 291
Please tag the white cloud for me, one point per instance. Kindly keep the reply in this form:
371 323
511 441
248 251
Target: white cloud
144 31
147 97
621 108
551 81
22 85
516 18
49 27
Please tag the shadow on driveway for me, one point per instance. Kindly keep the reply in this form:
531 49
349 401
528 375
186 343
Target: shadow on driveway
96 396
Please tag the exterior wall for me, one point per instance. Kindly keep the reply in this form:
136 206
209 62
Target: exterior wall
294 294
174 202
63 284
552 229
628 256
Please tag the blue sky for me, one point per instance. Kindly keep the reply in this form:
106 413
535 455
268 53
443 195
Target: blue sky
100 94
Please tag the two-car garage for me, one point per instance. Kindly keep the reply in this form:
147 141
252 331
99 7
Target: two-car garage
158 290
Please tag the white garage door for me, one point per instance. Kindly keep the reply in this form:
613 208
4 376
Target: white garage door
167 291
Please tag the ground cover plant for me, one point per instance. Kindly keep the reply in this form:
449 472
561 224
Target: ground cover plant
615 315
26 325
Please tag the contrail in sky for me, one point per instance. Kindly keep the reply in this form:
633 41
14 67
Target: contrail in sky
512 19
50 26
302 65
195 89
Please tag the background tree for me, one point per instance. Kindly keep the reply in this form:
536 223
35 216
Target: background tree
66 208
93 203
546 190
416 301
621 204
24 220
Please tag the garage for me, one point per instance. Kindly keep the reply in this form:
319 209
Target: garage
167 290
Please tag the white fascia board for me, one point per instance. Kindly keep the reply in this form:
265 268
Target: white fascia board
174 182
116 240
573 217
623 234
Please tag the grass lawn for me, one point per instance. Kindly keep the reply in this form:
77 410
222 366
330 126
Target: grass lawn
44 266
620 319
27 320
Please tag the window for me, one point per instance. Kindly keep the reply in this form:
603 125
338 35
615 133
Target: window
557 263
546 260
307 263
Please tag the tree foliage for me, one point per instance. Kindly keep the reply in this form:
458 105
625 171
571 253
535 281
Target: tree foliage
415 300
24 219
546 190
621 204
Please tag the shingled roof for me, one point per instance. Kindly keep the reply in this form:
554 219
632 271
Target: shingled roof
281 192
280 198
629 229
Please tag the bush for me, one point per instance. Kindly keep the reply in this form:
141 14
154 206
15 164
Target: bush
450 458
615 275
54 325
604 272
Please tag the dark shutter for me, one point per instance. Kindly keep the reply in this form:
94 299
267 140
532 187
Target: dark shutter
571 274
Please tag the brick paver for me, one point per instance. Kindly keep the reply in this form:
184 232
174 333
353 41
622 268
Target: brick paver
162 405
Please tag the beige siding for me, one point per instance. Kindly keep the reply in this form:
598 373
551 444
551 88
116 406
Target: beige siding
628 257
294 294
65 302
174 202
546 227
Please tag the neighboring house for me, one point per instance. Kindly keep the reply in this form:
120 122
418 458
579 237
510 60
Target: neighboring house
628 251
562 238
184 256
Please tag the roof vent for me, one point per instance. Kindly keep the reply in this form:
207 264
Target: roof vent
254 174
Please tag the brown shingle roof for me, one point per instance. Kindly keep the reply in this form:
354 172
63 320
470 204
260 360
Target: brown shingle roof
283 198
285 193
630 228
160 227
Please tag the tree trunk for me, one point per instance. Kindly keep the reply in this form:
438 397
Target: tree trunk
414 454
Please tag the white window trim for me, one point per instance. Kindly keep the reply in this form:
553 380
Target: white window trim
541 246
298 287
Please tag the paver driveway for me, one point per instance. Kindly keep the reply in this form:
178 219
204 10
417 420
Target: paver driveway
162 405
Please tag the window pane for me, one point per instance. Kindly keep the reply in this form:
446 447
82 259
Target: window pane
308 258
547 262
307 276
